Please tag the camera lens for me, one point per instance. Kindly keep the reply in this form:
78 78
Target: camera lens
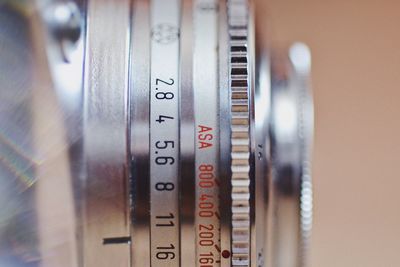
190 159
193 139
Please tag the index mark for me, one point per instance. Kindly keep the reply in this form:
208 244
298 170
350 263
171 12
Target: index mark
117 240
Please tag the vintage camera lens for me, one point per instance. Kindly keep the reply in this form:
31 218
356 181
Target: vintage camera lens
191 139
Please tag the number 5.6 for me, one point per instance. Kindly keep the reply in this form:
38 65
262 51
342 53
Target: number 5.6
165 144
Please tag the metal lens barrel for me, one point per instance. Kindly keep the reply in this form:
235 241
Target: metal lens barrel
196 145
191 138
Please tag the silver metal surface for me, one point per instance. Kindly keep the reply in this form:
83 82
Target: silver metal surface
187 142
140 132
240 87
262 157
300 57
225 140
151 133
206 110
106 211
290 185
164 132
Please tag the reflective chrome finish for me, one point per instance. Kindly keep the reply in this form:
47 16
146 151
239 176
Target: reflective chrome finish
139 127
225 135
106 212
165 18
262 106
187 142
291 133
76 131
64 23
206 106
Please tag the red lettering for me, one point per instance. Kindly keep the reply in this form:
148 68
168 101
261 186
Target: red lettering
204 134
204 145
203 129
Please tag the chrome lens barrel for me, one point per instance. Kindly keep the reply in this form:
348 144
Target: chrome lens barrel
188 142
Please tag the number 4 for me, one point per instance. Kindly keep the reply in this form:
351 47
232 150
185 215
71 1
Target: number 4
162 118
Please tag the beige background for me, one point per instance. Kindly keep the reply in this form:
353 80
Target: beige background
356 80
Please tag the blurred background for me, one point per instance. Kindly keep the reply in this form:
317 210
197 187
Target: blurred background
356 81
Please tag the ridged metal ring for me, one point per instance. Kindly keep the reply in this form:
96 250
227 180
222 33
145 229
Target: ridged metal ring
238 18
